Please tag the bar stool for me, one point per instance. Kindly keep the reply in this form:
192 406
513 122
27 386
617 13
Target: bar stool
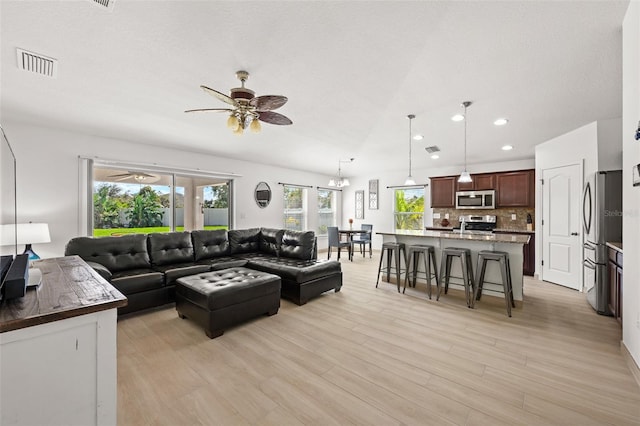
413 260
393 251
505 270
467 271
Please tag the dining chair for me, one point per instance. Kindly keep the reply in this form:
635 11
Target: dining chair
334 241
364 239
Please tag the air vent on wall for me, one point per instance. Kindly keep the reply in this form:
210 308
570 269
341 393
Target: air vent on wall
34 62
432 149
104 3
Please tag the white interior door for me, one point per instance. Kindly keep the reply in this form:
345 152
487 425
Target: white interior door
561 228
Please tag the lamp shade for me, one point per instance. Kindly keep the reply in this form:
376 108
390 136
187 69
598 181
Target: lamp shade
465 177
409 181
27 233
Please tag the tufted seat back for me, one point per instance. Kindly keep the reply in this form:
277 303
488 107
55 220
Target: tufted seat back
170 248
244 240
271 240
298 244
210 244
114 253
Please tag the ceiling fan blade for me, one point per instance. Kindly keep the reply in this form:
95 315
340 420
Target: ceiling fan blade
268 102
120 175
273 118
210 109
141 174
219 95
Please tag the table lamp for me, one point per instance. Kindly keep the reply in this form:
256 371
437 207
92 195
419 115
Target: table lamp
27 234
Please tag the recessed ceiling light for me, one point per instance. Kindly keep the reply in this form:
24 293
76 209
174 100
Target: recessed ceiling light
435 156
418 137
458 117
507 148
501 122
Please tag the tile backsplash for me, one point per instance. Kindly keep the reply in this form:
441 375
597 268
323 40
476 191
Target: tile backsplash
503 216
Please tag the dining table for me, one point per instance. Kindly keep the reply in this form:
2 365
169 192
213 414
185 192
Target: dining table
349 233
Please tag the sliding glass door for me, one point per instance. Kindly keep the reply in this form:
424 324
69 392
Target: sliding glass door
128 200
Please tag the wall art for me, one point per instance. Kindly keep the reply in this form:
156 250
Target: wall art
373 194
360 204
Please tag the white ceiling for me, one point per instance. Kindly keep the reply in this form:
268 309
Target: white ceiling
352 71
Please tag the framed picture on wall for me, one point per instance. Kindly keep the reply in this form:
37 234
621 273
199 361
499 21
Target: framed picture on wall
360 204
636 175
373 194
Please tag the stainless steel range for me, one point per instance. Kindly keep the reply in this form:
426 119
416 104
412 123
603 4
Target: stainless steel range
475 224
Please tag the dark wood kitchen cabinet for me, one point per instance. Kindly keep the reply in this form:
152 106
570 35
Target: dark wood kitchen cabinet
528 252
515 189
443 192
615 282
480 182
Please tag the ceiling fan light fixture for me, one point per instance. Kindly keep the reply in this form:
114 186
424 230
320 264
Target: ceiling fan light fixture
232 122
255 126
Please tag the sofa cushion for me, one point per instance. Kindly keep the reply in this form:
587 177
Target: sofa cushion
170 248
178 270
298 244
114 253
210 244
297 270
137 280
244 240
271 240
225 262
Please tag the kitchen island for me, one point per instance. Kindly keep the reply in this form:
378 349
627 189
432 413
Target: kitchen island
510 243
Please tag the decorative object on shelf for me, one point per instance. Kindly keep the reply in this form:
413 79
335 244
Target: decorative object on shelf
247 110
465 177
409 180
27 234
636 175
262 194
350 223
529 222
360 204
373 194
339 182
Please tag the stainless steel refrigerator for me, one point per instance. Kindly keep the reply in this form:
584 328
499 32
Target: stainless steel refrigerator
602 222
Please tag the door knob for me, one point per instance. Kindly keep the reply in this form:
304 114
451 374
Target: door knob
574 233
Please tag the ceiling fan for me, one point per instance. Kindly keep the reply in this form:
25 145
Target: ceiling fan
247 110
135 176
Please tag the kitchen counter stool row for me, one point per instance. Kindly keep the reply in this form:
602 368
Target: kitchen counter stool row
473 288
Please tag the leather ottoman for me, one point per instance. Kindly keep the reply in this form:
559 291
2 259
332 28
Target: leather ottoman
219 299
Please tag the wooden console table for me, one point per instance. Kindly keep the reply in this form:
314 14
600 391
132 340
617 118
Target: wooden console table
58 348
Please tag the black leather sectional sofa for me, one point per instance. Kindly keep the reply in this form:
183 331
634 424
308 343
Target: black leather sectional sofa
145 267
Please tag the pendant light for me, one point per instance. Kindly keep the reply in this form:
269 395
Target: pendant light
409 180
465 177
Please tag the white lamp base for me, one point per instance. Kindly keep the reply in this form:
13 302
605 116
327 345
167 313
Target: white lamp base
35 277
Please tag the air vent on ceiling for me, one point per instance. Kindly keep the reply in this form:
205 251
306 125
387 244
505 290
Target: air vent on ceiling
104 3
432 149
37 63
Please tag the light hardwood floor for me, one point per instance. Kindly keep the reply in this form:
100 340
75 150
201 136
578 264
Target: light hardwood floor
373 356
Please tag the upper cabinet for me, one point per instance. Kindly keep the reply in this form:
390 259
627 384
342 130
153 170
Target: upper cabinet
515 189
481 182
443 192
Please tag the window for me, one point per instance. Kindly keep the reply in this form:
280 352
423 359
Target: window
126 200
409 209
294 208
326 210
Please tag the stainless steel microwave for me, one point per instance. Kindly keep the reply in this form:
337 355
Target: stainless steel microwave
476 199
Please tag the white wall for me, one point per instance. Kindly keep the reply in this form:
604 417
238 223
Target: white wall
48 182
630 194
382 219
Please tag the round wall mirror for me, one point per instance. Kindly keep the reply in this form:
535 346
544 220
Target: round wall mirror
262 195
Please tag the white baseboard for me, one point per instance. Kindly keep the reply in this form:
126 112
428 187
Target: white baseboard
631 363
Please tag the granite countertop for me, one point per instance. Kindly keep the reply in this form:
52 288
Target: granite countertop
491 238
514 231
615 246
